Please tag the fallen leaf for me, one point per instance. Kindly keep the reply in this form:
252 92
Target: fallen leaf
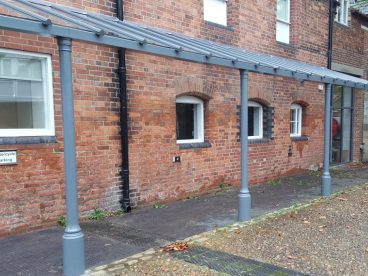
176 246
342 198
237 231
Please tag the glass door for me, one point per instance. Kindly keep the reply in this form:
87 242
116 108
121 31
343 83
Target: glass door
342 110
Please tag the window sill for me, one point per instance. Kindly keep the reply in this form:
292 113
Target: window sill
300 138
286 45
27 140
258 141
194 145
341 25
220 26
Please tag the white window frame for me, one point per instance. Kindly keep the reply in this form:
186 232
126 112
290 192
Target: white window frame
342 15
215 11
260 123
298 123
283 26
198 119
49 130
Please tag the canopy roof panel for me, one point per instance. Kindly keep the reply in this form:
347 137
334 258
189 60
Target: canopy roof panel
361 7
45 18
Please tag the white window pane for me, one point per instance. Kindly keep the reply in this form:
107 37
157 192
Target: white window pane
295 120
282 32
283 10
215 11
343 12
292 115
292 127
26 106
256 121
195 121
20 68
7 90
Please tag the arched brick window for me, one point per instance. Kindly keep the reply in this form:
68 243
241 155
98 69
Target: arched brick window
189 120
296 115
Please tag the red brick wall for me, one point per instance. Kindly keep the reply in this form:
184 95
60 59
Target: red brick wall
349 44
153 86
32 193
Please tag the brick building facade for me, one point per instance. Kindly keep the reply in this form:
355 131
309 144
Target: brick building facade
32 192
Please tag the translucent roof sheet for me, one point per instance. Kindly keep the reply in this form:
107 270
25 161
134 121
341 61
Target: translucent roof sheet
45 18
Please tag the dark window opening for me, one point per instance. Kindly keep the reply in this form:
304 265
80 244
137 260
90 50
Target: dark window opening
185 121
251 111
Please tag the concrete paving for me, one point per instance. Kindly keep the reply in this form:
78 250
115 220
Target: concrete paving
40 253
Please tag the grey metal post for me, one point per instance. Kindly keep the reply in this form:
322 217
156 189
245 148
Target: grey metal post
244 198
326 177
73 238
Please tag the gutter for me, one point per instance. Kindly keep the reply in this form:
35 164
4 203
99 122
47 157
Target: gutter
125 200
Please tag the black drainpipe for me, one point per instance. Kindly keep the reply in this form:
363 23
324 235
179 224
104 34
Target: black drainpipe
125 201
332 6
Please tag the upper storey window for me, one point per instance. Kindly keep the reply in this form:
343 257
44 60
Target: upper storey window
342 12
215 11
283 21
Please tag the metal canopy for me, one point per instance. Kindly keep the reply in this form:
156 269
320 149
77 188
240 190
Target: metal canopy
45 18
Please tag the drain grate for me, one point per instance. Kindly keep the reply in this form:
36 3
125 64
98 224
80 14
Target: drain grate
231 264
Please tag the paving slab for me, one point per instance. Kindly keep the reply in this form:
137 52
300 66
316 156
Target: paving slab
40 253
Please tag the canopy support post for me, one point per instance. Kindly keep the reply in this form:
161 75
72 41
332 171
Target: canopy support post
326 177
73 238
244 198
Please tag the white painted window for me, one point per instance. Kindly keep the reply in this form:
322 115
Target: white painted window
343 12
295 120
189 120
215 11
26 94
283 21
255 120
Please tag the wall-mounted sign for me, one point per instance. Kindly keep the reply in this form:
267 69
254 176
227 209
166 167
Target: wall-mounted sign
8 157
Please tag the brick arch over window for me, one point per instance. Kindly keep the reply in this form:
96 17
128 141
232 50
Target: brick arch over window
300 98
261 101
191 86
301 102
262 96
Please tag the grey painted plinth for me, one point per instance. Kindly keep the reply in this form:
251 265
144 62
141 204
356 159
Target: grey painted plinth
326 184
73 254
244 206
